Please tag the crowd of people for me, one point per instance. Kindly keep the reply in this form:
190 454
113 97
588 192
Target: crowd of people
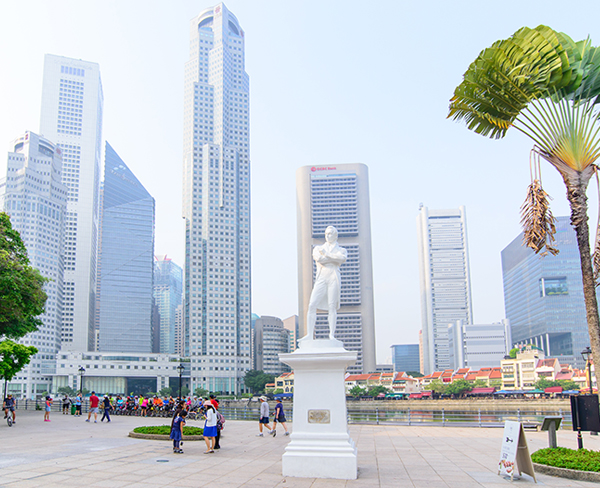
178 409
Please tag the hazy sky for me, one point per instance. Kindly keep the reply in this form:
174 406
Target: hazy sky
330 82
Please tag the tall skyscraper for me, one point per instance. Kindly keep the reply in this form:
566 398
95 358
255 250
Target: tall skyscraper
271 338
543 297
126 260
216 203
293 325
71 117
34 197
445 281
338 195
168 280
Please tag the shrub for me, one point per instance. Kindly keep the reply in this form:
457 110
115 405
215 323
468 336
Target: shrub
166 430
561 457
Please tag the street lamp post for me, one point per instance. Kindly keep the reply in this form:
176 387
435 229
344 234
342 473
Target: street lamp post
81 373
586 354
180 368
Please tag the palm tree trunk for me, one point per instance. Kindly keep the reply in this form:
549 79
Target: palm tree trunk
577 182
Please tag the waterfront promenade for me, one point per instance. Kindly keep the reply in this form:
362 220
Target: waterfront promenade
70 452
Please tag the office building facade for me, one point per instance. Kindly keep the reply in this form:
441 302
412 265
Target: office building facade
445 281
216 203
35 199
338 195
126 260
71 117
543 297
405 357
292 324
168 282
478 346
271 338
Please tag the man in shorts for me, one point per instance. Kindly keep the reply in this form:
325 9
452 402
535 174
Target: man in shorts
94 400
9 406
264 416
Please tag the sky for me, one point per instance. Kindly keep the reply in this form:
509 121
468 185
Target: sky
331 82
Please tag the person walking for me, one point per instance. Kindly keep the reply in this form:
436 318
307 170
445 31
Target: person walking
177 431
107 407
210 428
279 416
264 416
94 400
78 402
47 409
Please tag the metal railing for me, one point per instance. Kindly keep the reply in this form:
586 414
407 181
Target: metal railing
423 417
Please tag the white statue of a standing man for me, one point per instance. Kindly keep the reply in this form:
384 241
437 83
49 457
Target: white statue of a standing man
326 292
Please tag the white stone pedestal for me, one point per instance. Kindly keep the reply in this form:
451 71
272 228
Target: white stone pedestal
320 445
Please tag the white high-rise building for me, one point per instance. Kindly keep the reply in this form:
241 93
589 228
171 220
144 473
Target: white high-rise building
338 195
34 197
445 282
216 203
72 104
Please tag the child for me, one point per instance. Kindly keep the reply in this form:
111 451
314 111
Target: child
177 431
47 409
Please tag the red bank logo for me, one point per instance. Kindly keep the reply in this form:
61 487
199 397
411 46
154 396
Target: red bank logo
323 168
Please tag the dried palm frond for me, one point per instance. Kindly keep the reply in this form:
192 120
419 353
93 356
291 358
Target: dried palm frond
536 217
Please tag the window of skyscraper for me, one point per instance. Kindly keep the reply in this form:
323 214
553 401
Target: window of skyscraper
553 286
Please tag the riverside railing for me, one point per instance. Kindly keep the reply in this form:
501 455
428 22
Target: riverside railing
408 416
379 416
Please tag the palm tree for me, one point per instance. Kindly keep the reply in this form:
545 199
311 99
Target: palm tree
547 86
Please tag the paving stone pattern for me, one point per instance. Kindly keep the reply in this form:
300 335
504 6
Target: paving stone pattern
70 452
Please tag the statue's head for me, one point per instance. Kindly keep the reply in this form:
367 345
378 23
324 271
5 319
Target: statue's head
331 234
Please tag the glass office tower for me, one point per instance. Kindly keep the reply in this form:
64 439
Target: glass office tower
126 260
543 297
168 279
216 203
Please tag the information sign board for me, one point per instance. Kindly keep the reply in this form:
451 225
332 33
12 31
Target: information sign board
514 454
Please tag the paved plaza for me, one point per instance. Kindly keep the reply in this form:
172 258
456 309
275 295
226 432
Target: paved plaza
70 452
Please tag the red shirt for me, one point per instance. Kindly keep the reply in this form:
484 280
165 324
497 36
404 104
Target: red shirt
94 401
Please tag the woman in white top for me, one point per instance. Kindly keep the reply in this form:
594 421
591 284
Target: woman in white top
210 428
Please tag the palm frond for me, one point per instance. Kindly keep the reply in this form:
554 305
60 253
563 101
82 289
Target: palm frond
537 221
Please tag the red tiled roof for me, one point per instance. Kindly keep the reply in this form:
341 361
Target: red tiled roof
373 376
483 391
462 370
553 389
547 363
494 375
357 377
564 376
436 374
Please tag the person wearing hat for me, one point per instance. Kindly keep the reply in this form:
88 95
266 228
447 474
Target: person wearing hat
107 407
264 416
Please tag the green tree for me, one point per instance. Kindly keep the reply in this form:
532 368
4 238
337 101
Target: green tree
438 387
357 391
185 391
201 392
13 358
546 86
256 380
66 390
278 391
544 383
568 385
459 387
376 390
22 295
513 352
166 391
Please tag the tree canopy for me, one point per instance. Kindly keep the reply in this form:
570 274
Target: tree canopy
256 380
13 358
22 295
